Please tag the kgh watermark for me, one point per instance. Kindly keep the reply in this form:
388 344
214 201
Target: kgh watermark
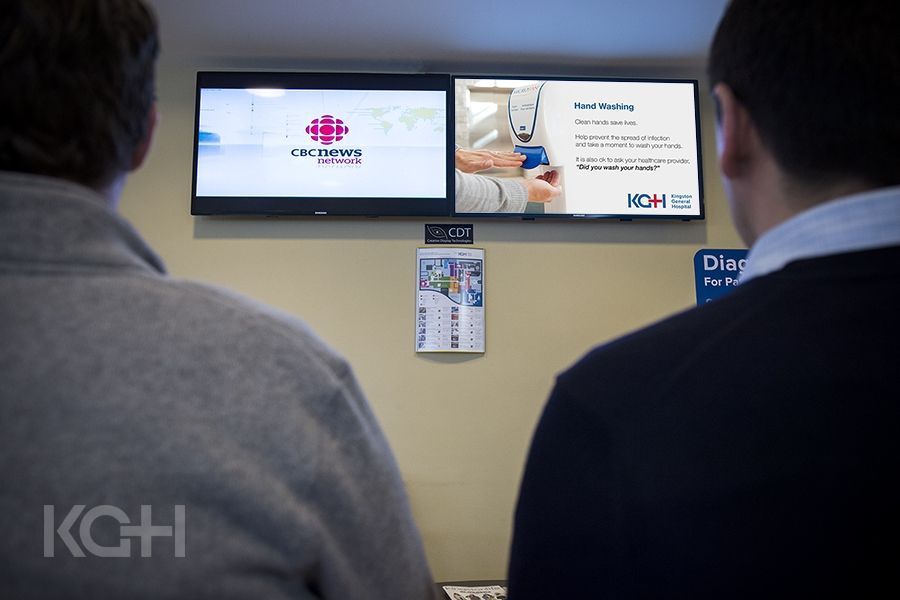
145 530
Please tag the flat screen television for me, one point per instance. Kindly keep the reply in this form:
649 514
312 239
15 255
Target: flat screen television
612 148
322 144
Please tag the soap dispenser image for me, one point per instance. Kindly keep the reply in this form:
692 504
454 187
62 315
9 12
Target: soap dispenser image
535 115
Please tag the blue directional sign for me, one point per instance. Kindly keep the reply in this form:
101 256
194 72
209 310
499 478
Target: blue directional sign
717 272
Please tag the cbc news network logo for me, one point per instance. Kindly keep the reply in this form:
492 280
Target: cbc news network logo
327 129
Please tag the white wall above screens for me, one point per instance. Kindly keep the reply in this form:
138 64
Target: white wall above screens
429 33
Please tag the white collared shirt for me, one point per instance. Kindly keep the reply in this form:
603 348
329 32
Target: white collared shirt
859 222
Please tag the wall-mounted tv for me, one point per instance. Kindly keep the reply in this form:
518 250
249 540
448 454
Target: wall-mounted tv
322 144
594 148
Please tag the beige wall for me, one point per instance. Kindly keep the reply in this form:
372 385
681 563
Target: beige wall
460 425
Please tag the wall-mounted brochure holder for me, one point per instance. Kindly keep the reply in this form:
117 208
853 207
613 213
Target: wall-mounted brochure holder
450 300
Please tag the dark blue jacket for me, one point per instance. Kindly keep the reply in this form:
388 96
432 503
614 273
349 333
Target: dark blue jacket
746 448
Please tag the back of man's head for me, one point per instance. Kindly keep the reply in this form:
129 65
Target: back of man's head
76 86
820 80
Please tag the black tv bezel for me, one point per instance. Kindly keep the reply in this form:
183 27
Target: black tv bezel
316 205
593 216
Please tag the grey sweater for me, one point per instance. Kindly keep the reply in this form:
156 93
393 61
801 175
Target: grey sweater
484 194
125 390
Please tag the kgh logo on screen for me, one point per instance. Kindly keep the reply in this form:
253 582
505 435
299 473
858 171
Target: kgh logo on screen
646 201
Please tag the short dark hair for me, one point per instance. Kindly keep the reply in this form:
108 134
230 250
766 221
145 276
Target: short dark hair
821 81
76 86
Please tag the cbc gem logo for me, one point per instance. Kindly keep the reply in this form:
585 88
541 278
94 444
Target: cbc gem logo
327 129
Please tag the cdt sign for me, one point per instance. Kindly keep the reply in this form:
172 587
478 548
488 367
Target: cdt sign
449 233
145 530
717 272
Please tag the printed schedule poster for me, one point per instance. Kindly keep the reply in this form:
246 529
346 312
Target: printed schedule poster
480 592
450 300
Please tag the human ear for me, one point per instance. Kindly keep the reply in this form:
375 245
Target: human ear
735 133
143 148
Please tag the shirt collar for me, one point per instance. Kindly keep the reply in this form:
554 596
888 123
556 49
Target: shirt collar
859 222
47 223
